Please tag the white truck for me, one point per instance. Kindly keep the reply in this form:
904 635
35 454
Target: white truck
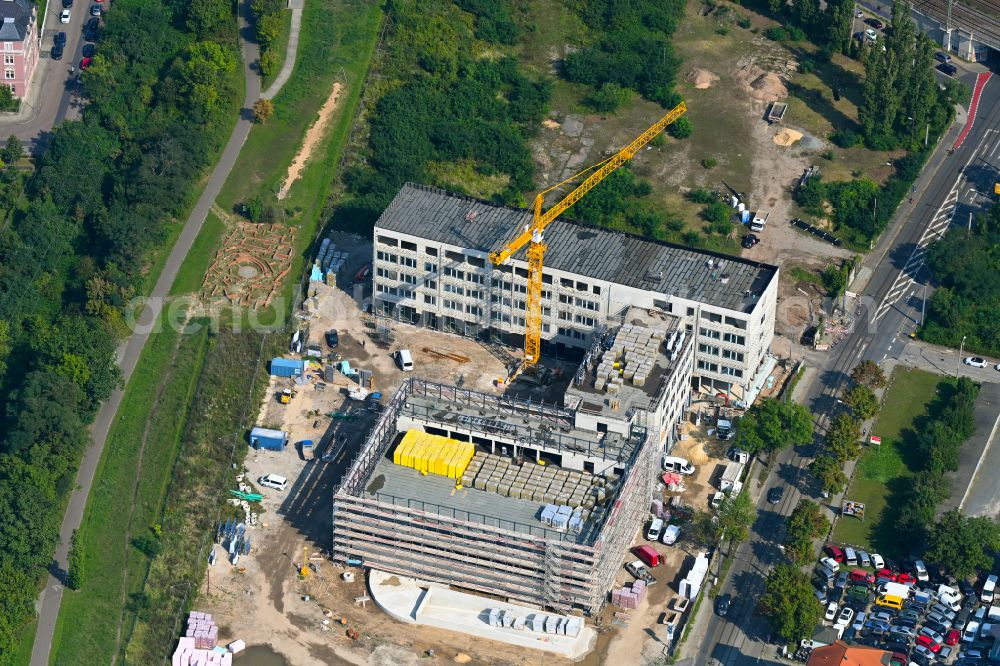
759 220
730 479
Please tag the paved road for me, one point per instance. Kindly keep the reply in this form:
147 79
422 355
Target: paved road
290 52
128 353
55 93
741 637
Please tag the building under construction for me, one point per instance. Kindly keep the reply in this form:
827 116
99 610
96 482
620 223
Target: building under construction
549 502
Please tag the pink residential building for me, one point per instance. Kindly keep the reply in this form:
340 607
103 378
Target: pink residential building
19 43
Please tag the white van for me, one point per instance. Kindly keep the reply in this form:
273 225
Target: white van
273 481
671 534
989 589
404 359
655 527
920 570
678 465
850 557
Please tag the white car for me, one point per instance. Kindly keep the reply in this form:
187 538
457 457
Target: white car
845 617
831 611
830 563
64 16
670 534
273 481
655 527
858 13
877 561
977 362
871 34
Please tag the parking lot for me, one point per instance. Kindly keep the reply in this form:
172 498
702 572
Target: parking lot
909 609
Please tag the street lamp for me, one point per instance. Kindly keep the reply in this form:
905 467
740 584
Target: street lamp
961 349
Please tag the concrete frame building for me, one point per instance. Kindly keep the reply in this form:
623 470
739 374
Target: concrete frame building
21 37
431 268
489 536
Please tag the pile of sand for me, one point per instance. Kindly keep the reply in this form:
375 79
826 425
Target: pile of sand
760 84
550 124
312 138
701 78
787 137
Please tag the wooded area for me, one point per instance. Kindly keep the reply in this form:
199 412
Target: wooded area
965 265
162 94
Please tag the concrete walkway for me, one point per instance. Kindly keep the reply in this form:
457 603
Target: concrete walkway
290 52
129 351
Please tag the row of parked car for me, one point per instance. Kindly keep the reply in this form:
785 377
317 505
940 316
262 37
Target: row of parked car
907 610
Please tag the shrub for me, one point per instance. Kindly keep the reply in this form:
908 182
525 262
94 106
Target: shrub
709 162
263 109
608 98
253 209
845 138
827 155
776 33
745 23
701 195
796 34
681 128
148 545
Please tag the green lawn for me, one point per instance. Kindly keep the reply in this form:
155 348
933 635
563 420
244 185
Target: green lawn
192 272
884 469
130 473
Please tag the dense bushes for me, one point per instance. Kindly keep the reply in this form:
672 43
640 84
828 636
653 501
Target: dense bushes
632 47
445 105
939 436
966 267
268 25
160 100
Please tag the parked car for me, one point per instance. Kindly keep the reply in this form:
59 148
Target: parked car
864 558
844 617
941 56
903 630
976 361
95 10
970 654
877 625
57 52
970 632
935 636
862 576
775 494
871 34
950 70
830 563
678 465
89 50
834 552
928 642
749 241
273 481
989 589
952 637
59 39
85 63
670 534
67 3
944 653
875 23
859 621
905 579
64 16
820 593
877 561
332 338
655 527
831 611
885 575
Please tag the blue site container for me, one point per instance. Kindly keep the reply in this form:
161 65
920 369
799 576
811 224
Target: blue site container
272 440
287 367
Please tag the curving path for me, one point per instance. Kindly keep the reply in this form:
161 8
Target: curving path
129 351
290 51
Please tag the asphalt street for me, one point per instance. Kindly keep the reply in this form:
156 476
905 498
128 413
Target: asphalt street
55 94
128 353
888 314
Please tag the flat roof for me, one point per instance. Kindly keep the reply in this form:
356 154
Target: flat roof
582 249
405 486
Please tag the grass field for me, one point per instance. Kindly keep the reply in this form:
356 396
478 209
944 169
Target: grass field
199 257
882 470
127 496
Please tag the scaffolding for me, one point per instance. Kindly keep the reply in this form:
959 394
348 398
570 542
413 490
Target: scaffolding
526 563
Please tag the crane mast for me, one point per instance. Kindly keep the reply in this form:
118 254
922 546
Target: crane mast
532 234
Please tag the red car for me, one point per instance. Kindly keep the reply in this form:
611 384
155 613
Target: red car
951 638
886 575
85 63
860 575
834 552
905 579
928 643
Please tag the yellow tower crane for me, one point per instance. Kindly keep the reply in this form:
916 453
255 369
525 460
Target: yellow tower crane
532 233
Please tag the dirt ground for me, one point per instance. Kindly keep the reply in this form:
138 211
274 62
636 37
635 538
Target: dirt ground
313 135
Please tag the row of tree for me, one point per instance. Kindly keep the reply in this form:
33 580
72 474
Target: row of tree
161 96
268 23
965 266
443 105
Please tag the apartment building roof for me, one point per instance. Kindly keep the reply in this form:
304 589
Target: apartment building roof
15 17
712 278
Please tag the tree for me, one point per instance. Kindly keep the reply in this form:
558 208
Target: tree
12 151
203 71
772 424
805 524
830 473
838 17
862 401
703 530
7 100
268 63
789 603
870 374
965 545
263 109
75 575
736 515
843 437
681 128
